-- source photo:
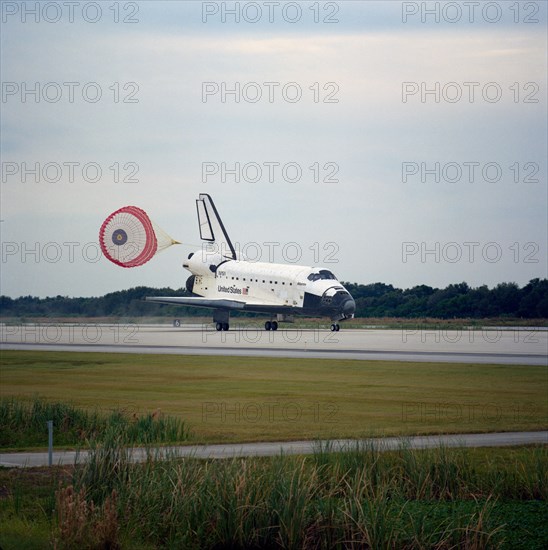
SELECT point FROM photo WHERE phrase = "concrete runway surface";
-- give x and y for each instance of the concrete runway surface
(494, 345)
(502, 439)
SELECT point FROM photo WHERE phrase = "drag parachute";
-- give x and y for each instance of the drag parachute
(129, 238)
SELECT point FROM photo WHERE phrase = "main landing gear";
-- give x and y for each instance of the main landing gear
(271, 325)
(221, 318)
(335, 327)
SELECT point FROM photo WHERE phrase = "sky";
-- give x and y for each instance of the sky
(394, 142)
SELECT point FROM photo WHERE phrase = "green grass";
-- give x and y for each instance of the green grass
(224, 399)
(361, 498)
(227, 399)
(438, 498)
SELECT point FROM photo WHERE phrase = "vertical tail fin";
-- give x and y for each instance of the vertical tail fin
(211, 226)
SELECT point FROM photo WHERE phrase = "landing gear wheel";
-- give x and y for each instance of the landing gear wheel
(219, 326)
(225, 326)
(337, 327)
(268, 325)
(274, 325)
(177, 323)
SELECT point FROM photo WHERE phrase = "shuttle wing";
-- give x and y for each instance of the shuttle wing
(196, 302)
(256, 306)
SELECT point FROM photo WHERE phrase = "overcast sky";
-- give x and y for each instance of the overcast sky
(427, 139)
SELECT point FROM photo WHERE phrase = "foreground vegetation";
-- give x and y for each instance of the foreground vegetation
(23, 424)
(372, 300)
(227, 399)
(361, 498)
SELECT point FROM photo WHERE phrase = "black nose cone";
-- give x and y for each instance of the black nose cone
(349, 306)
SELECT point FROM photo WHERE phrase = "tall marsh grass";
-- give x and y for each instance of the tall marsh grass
(363, 497)
(360, 498)
(23, 424)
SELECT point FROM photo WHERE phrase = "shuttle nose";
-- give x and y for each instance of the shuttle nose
(349, 306)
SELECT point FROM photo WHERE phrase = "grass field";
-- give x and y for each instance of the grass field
(229, 399)
(362, 498)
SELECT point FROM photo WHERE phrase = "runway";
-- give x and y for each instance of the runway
(503, 439)
(527, 346)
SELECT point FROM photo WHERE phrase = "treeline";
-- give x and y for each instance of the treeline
(456, 300)
(373, 300)
(123, 303)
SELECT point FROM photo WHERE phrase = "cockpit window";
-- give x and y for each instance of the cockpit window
(323, 274)
(327, 274)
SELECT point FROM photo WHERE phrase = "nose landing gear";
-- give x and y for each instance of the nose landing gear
(271, 325)
(335, 327)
